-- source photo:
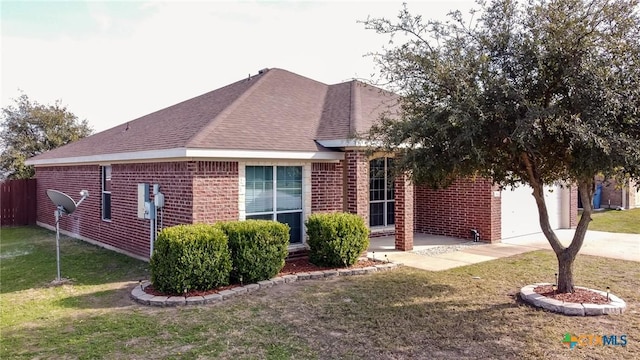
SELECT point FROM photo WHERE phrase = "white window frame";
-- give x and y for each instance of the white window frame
(384, 201)
(306, 193)
(103, 180)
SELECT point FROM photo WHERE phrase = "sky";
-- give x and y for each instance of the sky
(113, 61)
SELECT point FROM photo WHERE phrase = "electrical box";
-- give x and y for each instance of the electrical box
(158, 200)
(150, 210)
(143, 199)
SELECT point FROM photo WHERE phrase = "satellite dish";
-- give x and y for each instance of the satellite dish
(62, 200)
(64, 205)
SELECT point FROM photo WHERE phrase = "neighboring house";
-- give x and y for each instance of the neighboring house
(618, 196)
(219, 156)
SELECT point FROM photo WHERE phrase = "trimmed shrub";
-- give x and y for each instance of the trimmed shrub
(336, 239)
(258, 248)
(190, 257)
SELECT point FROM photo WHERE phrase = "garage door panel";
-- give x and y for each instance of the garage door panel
(520, 213)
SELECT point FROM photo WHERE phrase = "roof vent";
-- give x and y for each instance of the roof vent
(262, 71)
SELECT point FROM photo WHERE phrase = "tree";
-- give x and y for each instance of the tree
(29, 128)
(540, 92)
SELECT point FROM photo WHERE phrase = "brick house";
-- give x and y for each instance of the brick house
(616, 195)
(219, 156)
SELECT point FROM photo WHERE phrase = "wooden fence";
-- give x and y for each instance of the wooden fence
(18, 202)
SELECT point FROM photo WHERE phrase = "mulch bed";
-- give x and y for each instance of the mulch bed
(291, 267)
(578, 296)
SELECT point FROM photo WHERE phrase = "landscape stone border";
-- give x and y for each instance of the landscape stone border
(616, 306)
(141, 297)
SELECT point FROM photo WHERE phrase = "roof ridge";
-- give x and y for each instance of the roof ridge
(213, 123)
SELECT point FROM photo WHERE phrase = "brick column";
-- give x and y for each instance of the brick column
(403, 213)
(495, 229)
(357, 184)
(573, 207)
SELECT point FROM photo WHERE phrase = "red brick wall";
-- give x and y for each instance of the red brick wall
(573, 207)
(454, 211)
(611, 196)
(125, 231)
(326, 187)
(357, 184)
(403, 211)
(86, 220)
(215, 190)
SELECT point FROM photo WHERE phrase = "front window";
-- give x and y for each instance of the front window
(106, 192)
(381, 193)
(285, 206)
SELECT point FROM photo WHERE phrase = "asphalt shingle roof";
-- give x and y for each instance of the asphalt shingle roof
(274, 110)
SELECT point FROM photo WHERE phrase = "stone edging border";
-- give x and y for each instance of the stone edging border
(617, 305)
(138, 295)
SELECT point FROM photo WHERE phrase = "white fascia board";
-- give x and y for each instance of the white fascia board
(345, 143)
(265, 154)
(354, 143)
(117, 157)
(183, 154)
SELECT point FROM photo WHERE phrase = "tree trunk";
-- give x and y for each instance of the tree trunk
(565, 272)
(565, 255)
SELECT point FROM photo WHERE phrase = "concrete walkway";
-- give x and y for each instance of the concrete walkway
(611, 245)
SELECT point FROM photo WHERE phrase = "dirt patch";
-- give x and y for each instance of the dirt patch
(303, 265)
(579, 296)
(290, 268)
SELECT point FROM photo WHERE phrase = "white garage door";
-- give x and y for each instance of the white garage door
(520, 213)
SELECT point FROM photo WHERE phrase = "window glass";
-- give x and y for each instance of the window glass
(391, 212)
(381, 192)
(106, 211)
(260, 217)
(106, 192)
(376, 214)
(289, 192)
(259, 199)
(259, 189)
(294, 220)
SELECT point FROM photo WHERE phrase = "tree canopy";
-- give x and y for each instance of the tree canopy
(30, 128)
(537, 92)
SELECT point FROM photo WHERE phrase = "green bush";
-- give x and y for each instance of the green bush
(336, 239)
(190, 257)
(258, 249)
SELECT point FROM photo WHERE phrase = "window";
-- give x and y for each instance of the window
(381, 193)
(106, 192)
(285, 205)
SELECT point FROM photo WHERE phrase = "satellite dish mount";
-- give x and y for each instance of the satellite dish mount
(64, 205)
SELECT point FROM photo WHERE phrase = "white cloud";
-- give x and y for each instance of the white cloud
(134, 66)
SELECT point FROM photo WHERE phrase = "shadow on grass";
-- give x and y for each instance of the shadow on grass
(34, 265)
(385, 316)
(153, 333)
(103, 299)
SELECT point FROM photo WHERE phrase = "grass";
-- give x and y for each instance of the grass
(627, 221)
(403, 314)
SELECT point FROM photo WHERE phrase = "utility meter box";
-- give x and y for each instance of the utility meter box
(150, 210)
(158, 200)
(143, 199)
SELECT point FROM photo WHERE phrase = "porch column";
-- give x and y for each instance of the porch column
(573, 207)
(403, 213)
(357, 184)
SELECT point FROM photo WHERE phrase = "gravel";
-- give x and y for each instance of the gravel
(443, 249)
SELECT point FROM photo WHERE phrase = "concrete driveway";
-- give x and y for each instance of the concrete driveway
(597, 243)
(446, 252)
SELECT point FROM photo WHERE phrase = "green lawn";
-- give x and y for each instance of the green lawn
(625, 221)
(401, 314)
